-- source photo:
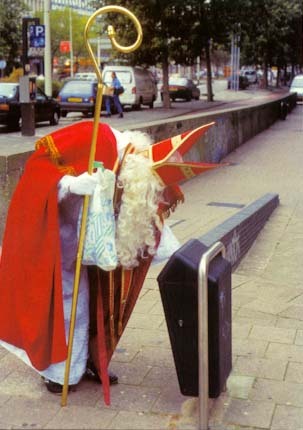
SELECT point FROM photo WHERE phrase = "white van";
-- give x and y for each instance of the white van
(139, 85)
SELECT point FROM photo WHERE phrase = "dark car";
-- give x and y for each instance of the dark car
(243, 83)
(79, 95)
(182, 88)
(46, 108)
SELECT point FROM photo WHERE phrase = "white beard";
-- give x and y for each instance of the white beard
(142, 192)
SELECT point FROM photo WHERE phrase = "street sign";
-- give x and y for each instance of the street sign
(35, 52)
(2, 64)
(37, 36)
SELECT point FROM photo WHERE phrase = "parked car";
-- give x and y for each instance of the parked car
(251, 76)
(182, 88)
(46, 108)
(297, 87)
(243, 82)
(140, 87)
(78, 95)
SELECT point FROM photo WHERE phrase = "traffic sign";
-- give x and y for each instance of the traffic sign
(37, 36)
(2, 64)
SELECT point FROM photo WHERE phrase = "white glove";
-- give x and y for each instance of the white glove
(83, 184)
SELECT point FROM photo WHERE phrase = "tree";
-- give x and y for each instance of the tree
(167, 34)
(179, 31)
(61, 22)
(271, 33)
(11, 13)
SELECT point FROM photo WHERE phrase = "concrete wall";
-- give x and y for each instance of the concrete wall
(233, 127)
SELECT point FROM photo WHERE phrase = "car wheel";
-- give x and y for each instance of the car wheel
(137, 106)
(15, 125)
(55, 118)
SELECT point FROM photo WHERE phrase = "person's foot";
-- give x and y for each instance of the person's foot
(92, 374)
(56, 388)
(121, 115)
(108, 115)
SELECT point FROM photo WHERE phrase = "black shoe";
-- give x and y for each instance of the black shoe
(121, 115)
(56, 388)
(92, 374)
(108, 115)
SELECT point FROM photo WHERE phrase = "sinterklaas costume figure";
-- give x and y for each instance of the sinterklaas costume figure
(40, 245)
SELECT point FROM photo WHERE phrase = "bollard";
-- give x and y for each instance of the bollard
(28, 93)
(28, 119)
(199, 319)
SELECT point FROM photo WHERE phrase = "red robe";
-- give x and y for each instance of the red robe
(31, 307)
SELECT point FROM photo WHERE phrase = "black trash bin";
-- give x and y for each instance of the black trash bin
(178, 283)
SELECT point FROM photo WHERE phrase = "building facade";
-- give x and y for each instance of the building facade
(81, 6)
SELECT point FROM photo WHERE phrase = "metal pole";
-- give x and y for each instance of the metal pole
(71, 43)
(47, 50)
(209, 255)
(236, 63)
(232, 71)
(238, 56)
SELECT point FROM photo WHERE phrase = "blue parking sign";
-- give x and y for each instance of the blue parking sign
(37, 36)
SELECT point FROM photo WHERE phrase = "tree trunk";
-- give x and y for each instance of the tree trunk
(166, 98)
(278, 77)
(210, 96)
(265, 74)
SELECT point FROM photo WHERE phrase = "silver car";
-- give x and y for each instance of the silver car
(297, 87)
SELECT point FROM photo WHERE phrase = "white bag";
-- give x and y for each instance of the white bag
(167, 246)
(99, 244)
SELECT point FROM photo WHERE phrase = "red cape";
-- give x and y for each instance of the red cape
(31, 307)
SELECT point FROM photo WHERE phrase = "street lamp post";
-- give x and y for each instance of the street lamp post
(47, 50)
(71, 43)
(235, 59)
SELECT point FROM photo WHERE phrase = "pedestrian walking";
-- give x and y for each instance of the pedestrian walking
(116, 88)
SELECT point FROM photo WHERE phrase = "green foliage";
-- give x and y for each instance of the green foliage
(11, 13)
(61, 22)
(56, 86)
(272, 32)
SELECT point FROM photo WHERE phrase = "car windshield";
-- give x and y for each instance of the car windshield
(124, 77)
(297, 82)
(8, 90)
(77, 87)
(178, 81)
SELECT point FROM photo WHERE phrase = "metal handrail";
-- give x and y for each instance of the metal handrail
(206, 258)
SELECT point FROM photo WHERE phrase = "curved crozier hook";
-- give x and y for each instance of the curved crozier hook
(111, 33)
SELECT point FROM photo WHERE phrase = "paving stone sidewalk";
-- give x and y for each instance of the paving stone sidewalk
(265, 388)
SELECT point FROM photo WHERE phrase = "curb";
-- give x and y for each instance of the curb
(239, 231)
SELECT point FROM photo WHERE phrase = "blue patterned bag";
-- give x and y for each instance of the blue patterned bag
(99, 245)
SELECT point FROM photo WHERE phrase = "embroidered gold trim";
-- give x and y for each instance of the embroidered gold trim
(177, 141)
(47, 142)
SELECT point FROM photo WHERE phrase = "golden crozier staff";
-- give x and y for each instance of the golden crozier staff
(111, 34)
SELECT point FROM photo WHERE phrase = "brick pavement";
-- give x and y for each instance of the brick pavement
(265, 388)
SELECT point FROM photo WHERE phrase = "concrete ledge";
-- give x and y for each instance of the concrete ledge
(239, 231)
(233, 127)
